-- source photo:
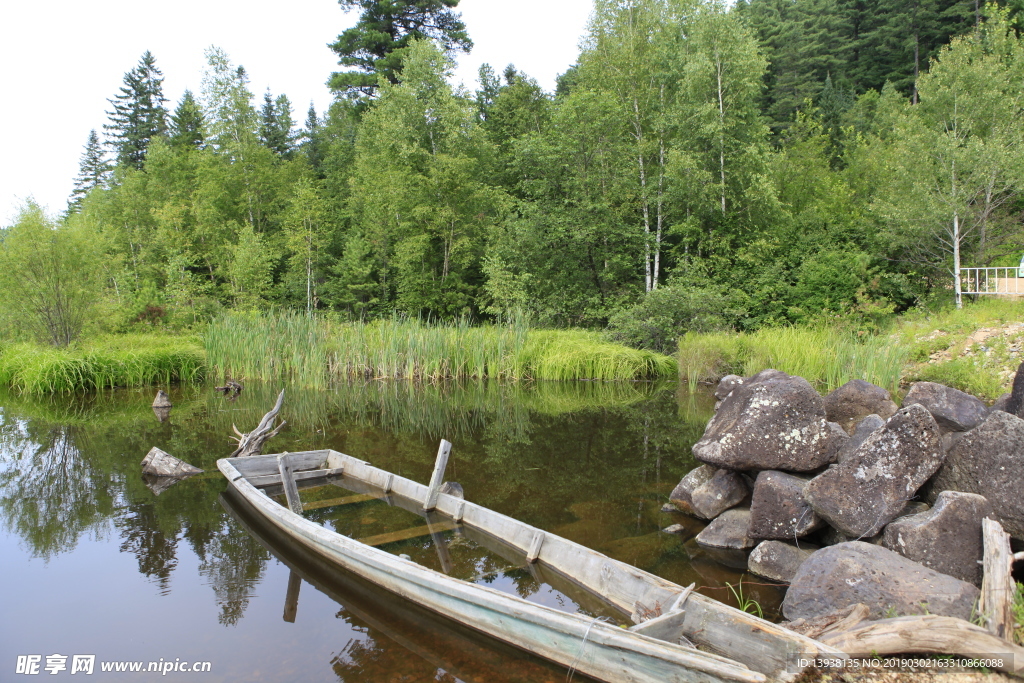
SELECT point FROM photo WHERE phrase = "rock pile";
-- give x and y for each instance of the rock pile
(786, 471)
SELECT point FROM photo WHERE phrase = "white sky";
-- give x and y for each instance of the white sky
(61, 60)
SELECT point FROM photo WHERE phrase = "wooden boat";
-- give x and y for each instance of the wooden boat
(734, 645)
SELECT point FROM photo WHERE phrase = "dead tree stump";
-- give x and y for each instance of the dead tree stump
(252, 443)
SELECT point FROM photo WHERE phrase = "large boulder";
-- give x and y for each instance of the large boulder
(863, 494)
(729, 530)
(778, 509)
(726, 489)
(770, 422)
(946, 538)
(682, 494)
(989, 461)
(861, 432)
(778, 561)
(954, 410)
(848, 573)
(854, 401)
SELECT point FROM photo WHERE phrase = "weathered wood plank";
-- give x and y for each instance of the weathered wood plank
(927, 634)
(291, 598)
(405, 534)
(535, 545)
(437, 478)
(338, 502)
(291, 491)
(262, 465)
(997, 586)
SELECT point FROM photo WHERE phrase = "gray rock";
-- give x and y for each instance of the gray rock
(854, 401)
(161, 464)
(726, 489)
(830, 536)
(989, 461)
(772, 423)
(729, 530)
(954, 410)
(1015, 404)
(1002, 403)
(886, 582)
(778, 509)
(946, 538)
(453, 488)
(862, 495)
(669, 507)
(674, 529)
(162, 400)
(726, 385)
(682, 494)
(862, 431)
(778, 561)
(765, 375)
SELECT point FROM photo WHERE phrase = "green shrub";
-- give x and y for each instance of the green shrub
(665, 314)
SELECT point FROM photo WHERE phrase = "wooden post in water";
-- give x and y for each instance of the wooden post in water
(437, 478)
(997, 588)
(291, 491)
(291, 600)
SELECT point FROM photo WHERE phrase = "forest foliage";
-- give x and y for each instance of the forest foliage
(702, 167)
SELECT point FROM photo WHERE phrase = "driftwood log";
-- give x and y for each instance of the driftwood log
(252, 443)
(927, 634)
(230, 389)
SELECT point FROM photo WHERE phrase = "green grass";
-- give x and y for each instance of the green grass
(317, 351)
(823, 356)
(115, 361)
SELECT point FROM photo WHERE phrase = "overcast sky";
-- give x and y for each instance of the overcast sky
(62, 60)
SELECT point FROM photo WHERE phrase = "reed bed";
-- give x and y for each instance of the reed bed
(823, 356)
(314, 351)
(123, 361)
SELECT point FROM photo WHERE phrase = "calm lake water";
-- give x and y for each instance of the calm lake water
(94, 562)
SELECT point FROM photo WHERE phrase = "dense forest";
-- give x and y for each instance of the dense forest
(700, 167)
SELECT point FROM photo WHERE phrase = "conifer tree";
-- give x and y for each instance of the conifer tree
(384, 28)
(93, 171)
(187, 124)
(138, 112)
(311, 142)
(276, 124)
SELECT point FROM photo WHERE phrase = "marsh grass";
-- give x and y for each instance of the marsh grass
(314, 351)
(823, 356)
(107, 362)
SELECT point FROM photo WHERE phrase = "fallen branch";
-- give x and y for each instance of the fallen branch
(252, 443)
(928, 634)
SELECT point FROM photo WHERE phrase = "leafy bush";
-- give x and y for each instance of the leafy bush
(664, 315)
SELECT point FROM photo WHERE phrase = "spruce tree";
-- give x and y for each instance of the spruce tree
(139, 114)
(187, 124)
(311, 139)
(93, 171)
(276, 124)
(384, 28)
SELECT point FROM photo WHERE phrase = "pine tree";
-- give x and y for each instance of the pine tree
(384, 28)
(187, 124)
(139, 114)
(93, 171)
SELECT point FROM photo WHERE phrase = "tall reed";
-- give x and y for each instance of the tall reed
(314, 351)
(821, 355)
(123, 361)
